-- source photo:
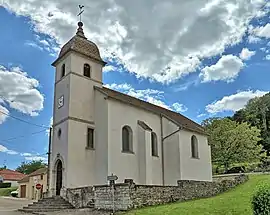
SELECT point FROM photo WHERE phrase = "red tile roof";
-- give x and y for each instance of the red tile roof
(11, 175)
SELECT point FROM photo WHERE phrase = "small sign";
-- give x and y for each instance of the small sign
(38, 186)
(112, 178)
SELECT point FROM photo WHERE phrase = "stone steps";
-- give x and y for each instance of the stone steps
(37, 206)
(47, 205)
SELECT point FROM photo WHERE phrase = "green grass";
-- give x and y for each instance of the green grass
(6, 191)
(234, 202)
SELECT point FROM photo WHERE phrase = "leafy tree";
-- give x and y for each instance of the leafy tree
(232, 142)
(3, 167)
(30, 167)
(257, 113)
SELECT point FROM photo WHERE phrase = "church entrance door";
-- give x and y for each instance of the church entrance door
(59, 173)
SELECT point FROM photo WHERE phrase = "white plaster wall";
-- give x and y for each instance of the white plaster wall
(171, 153)
(101, 139)
(125, 165)
(77, 64)
(62, 88)
(59, 145)
(195, 169)
(81, 98)
(79, 103)
(141, 154)
(81, 161)
(82, 103)
(67, 61)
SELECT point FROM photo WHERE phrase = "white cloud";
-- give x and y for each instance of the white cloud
(121, 87)
(262, 31)
(202, 115)
(253, 39)
(267, 57)
(226, 69)
(8, 151)
(3, 115)
(33, 44)
(164, 47)
(179, 107)
(26, 155)
(44, 42)
(233, 102)
(109, 68)
(50, 125)
(149, 95)
(246, 54)
(20, 91)
(36, 158)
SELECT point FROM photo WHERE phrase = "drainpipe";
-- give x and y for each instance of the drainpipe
(162, 147)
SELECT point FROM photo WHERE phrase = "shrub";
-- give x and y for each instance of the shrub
(261, 201)
(5, 185)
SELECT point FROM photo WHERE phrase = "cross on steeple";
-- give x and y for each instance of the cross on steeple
(80, 24)
(80, 12)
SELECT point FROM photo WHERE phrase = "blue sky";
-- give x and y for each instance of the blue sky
(200, 59)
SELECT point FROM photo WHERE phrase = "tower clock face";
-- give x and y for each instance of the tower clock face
(61, 102)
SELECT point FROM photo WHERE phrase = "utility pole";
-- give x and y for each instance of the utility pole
(49, 159)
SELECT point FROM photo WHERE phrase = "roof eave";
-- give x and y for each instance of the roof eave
(161, 114)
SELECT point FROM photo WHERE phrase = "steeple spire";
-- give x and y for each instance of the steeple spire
(80, 24)
(80, 30)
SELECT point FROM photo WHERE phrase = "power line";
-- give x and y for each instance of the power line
(22, 136)
(22, 120)
(17, 118)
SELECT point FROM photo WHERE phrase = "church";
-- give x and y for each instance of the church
(98, 132)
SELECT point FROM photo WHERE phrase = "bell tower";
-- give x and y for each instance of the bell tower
(78, 70)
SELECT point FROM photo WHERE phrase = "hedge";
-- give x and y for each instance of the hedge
(261, 201)
(5, 185)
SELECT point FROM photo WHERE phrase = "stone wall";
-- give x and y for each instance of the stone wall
(142, 195)
(104, 197)
(128, 196)
(82, 197)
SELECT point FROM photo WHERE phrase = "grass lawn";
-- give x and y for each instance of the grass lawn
(236, 202)
(6, 191)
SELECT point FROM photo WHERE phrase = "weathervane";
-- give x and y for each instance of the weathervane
(81, 11)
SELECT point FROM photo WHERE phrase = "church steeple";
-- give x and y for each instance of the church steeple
(80, 32)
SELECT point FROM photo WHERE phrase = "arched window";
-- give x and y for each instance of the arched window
(154, 144)
(127, 139)
(194, 147)
(63, 70)
(86, 70)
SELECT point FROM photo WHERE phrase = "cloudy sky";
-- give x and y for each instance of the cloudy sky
(201, 58)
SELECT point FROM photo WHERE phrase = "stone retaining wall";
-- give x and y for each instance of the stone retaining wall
(104, 197)
(82, 197)
(128, 196)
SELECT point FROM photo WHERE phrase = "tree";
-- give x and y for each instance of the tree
(257, 113)
(3, 167)
(27, 168)
(232, 142)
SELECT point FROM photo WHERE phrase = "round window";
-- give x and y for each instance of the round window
(59, 133)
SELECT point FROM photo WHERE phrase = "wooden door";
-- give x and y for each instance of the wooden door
(23, 191)
(59, 178)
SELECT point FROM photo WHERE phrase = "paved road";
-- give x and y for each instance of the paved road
(8, 205)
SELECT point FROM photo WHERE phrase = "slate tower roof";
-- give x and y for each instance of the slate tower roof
(81, 45)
